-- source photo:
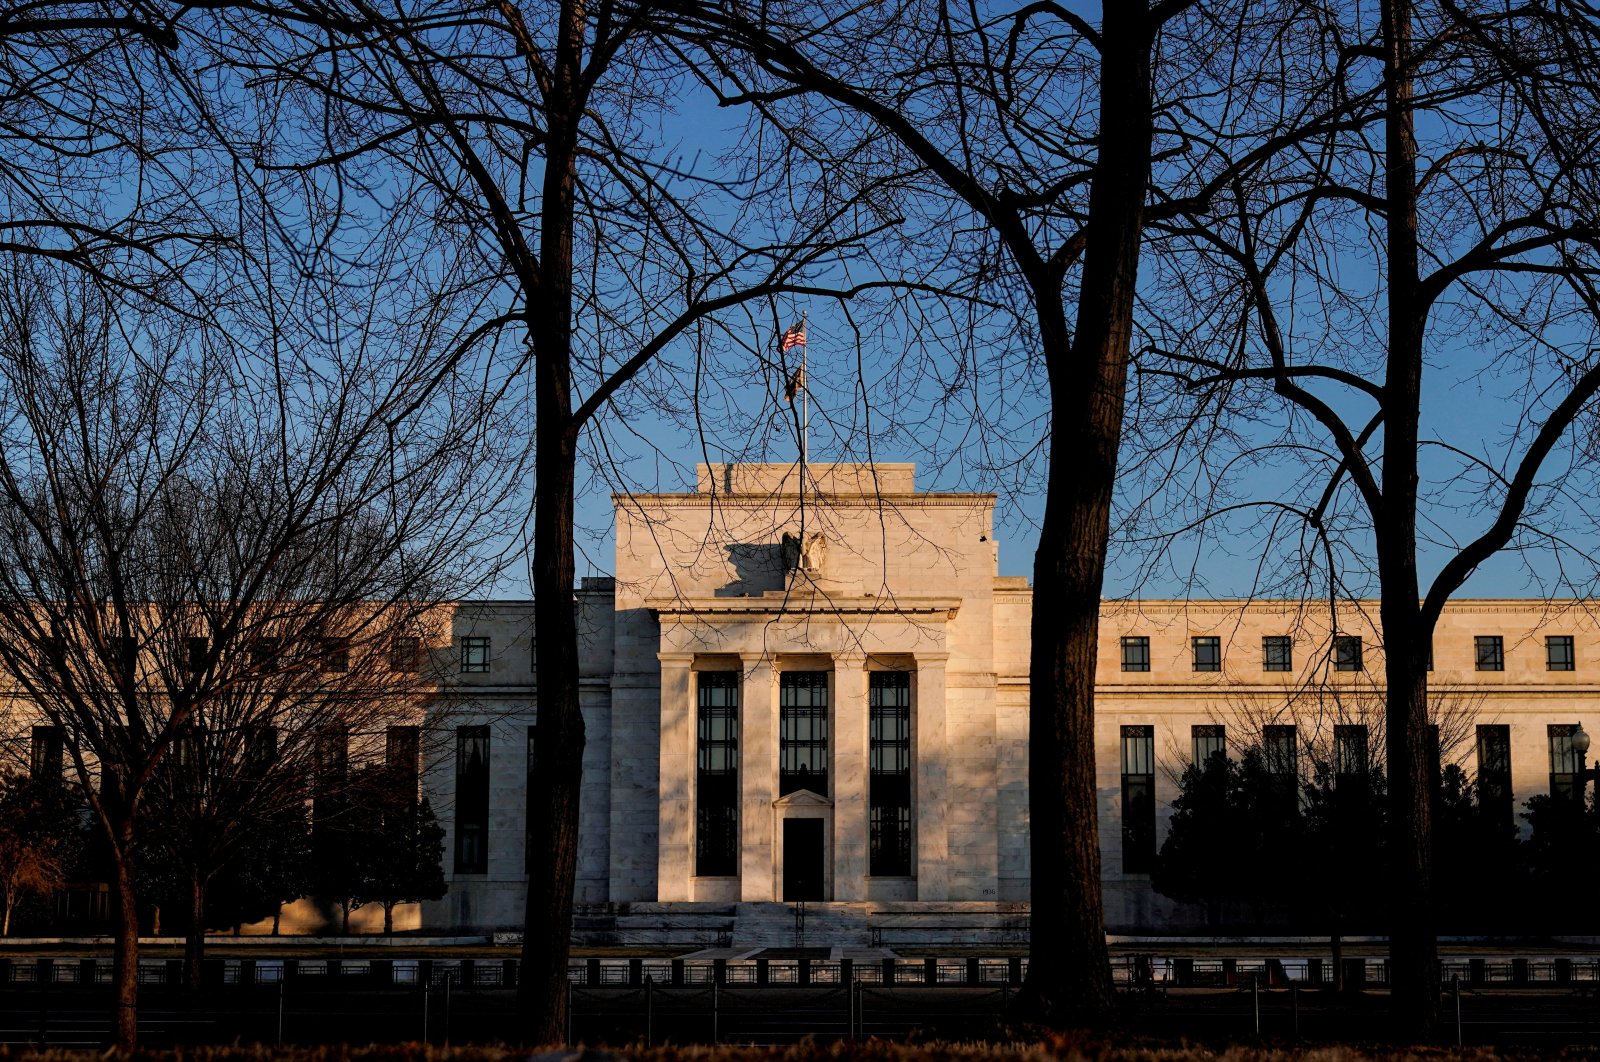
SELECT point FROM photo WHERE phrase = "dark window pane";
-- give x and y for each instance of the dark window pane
(195, 651)
(1490, 652)
(889, 773)
(474, 655)
(405, 653)
(717, 776)
(472, 799)
(47, 754)
(1349, 752)
(1347, 653)
(335, 655)
(1207, 653)
(1138, 799)
(1277, 653)
(1136, 653)
(1281, 750)
(1563, 762)
(803, 732)
(1208, 740)
(1494, 770)
(1558, 653)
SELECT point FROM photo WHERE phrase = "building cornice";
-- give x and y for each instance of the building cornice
(778, 604)
(824, 501)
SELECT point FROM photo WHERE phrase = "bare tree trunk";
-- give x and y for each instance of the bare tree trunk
(1336, 946)
(344, 918)
(559, 736)
(125, 953)
(1069, 970)
(1413, 948)
(277, 917)
(388, 919)
(5, 926)
(194, 943)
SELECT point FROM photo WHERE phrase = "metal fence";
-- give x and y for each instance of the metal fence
(1129, 971)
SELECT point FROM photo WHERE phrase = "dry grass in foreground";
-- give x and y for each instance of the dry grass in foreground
(1061, 1049)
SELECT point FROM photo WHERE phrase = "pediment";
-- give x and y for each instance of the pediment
(802, 798)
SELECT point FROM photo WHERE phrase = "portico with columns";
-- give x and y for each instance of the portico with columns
(746, 577)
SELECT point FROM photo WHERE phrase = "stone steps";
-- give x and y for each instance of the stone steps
(750, 926)
(653, 924)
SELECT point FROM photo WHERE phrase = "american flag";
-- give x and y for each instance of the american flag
(794, 337)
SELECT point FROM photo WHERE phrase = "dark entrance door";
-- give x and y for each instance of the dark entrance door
(802, 859)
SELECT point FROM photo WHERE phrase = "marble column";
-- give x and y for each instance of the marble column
(758, 778)
(932, 765)
(849, 773)
(675, 837)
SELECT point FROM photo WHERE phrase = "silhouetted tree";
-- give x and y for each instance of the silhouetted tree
(1563, 859)
(1233, 841)
(402, 850)
(40, 839)
(185, 516)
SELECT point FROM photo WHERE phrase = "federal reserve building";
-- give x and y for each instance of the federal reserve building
(816, 690)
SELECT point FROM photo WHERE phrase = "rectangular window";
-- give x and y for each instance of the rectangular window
(1489, 652)
(716, 835)
(1558, 653)
(1136, 653)
(402, 755)
(1280, 748)
(803, 732)
(1138, 799)
(1208, 740)
(1494, 770)
(332, 754)
(1347, 652)
(1564, 784)
(260, 749)
(1277, 653)
(331, 751)
(334, 655)
(472, 800)
(889, 767)
(47, 753)
(474, 655)
(195, 651)
(1349, 753)
(125, 657)
(1207, 652)
(264, 653)
(405, 653)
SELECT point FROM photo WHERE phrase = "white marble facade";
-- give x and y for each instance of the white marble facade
(860, 572)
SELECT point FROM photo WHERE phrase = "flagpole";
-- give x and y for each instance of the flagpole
(805, 427)
(805, 404)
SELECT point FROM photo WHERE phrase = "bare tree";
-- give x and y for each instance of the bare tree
(526, 145)
(1058, 143)
(1457, 247)
(247, 755)
(184, 520)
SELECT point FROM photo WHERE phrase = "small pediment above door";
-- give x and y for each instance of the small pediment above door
(802, 798)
